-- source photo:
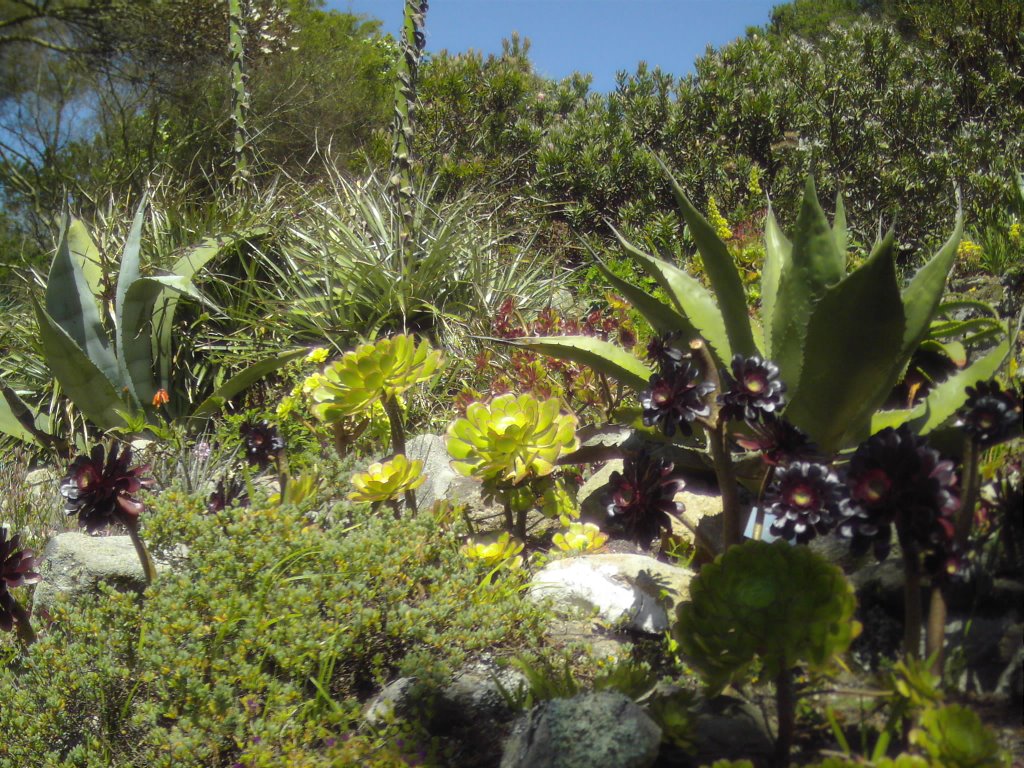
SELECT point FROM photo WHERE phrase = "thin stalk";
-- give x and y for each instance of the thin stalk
(965, 518)
(785, 705)
(759, 520)
(732, 532)
(394, 412)
(148, 566)
(23, 624)
(911, 608)
(935, 637)
(282, 472)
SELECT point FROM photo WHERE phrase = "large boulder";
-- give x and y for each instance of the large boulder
(592, 730)
(634, 591)
(74, 564)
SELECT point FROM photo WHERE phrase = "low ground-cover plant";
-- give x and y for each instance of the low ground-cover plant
(260, 648)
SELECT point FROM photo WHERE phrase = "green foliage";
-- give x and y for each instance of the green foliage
(259, 646)
(954, 736)
(778, 603)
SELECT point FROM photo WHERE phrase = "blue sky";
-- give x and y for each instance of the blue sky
(598, 37)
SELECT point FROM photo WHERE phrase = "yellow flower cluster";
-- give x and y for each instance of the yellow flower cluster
(718, 221)
(1016, 231)
(968, 250)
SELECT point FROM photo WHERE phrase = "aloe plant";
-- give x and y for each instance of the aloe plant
(109, 375)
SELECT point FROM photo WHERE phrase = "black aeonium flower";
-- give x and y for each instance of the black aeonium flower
(100, 488)
(262, 443)
(662, 350)
(804, 500)
(16, 566)
(896, 479)
(641, 497)
(990, 414)
(779, 441)
(675, 398)
(754, 388)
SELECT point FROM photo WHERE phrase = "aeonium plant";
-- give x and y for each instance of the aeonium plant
(16, 570)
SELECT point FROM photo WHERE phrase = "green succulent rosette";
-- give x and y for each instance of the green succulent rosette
(503, 550)
(511, 439)
(579, 538)
(954, 737)
(384, 481)
(386, 368)
(781, 603)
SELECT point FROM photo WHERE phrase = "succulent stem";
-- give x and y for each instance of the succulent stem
(394, 412)
(965, 517)
(148, 566)
(23, 622)
(732, 532)
(785, 704)
(911, 608)
(935, 637)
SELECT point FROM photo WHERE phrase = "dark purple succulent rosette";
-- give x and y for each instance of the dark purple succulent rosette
(16, 570)
(804, 501)
(100, 488)
(674, 399)
(663, 351)
(753, 389)
(641, 498)
(896, 479)
(262, 443)
(778, 441)
(227, 492)
(991, 414)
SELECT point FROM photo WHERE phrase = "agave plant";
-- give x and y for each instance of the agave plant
(781, 604)
(510, 443)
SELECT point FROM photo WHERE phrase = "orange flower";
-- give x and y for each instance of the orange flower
(161, 398)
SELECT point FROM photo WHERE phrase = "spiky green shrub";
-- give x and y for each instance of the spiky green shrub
(259, 647)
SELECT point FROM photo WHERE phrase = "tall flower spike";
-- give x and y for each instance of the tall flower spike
(641, 498)
(100, 488)
(990, 415)
(16, 570)
(753, 389)
(675, 398)
(804, 500)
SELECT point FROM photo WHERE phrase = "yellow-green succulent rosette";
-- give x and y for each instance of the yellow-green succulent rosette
(580, 537)
(502, 550)
(384, 481)
(383, 369)
(511, 439)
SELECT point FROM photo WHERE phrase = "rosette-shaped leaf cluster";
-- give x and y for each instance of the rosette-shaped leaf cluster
(16, 570)
(754, 388)
(228, 491)
(782, 604)
(503, 550)
(991, 414)
(580, 537)
(675, 398)
(384, 369)
(804, 500)
(778, 441)
(384, 481)
(954, 736)
(511, 439)
(262, 443)
(100, 488)
(641, 498)
(896, 479)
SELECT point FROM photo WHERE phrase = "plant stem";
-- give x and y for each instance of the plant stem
(785, 705)
(965, 517)
(759, 520)
(731, 530)
(23, 622)
(394, 412)
(911, 608)
(148, 566)
(935, 638)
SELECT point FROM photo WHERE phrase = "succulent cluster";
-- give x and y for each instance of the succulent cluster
(502, 551)
(384, 369)
(228, 491)
(100, 488)
(753, 389)
(16, 570)
(777, 440)
(990, 414)
(640, 499)
(262, 443)
(675, 395)
(804, 501)
(580, 537)
(385, 481)
(511, 439)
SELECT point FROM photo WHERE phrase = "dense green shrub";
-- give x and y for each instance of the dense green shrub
(259, 646)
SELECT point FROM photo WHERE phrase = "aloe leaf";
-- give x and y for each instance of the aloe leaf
(894, 418)
(126, 276)
(71, 305)
(777, 255)
(691, 299)
(89, 388)
(87, 255)
(923, 294)
(602, 356)
(815, 265)
(242, 381)
(137, 317)
(13, 411)
(946, 398)
(721, 272)
(662, 317)
(853, 334)
(839, 230)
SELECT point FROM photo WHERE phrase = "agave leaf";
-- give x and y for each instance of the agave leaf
(855, 331)
(894, 418)
(71, 305)
(89, 388)
(923, 294)
(13, 414)
(946, 398)
(662, 317)
(721, 271)
(126, 277)
(814, 266)
(137, 315)
(602, 356)
(242, 381)
(839, 231)
(690, 298)
(87, 255)
(777, 256)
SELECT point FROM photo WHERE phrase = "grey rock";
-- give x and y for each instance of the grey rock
(74, 565)
(479, 693)
(633, 590)
(397, 700)
(730, 728)
(593, 730)
(431, 450)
